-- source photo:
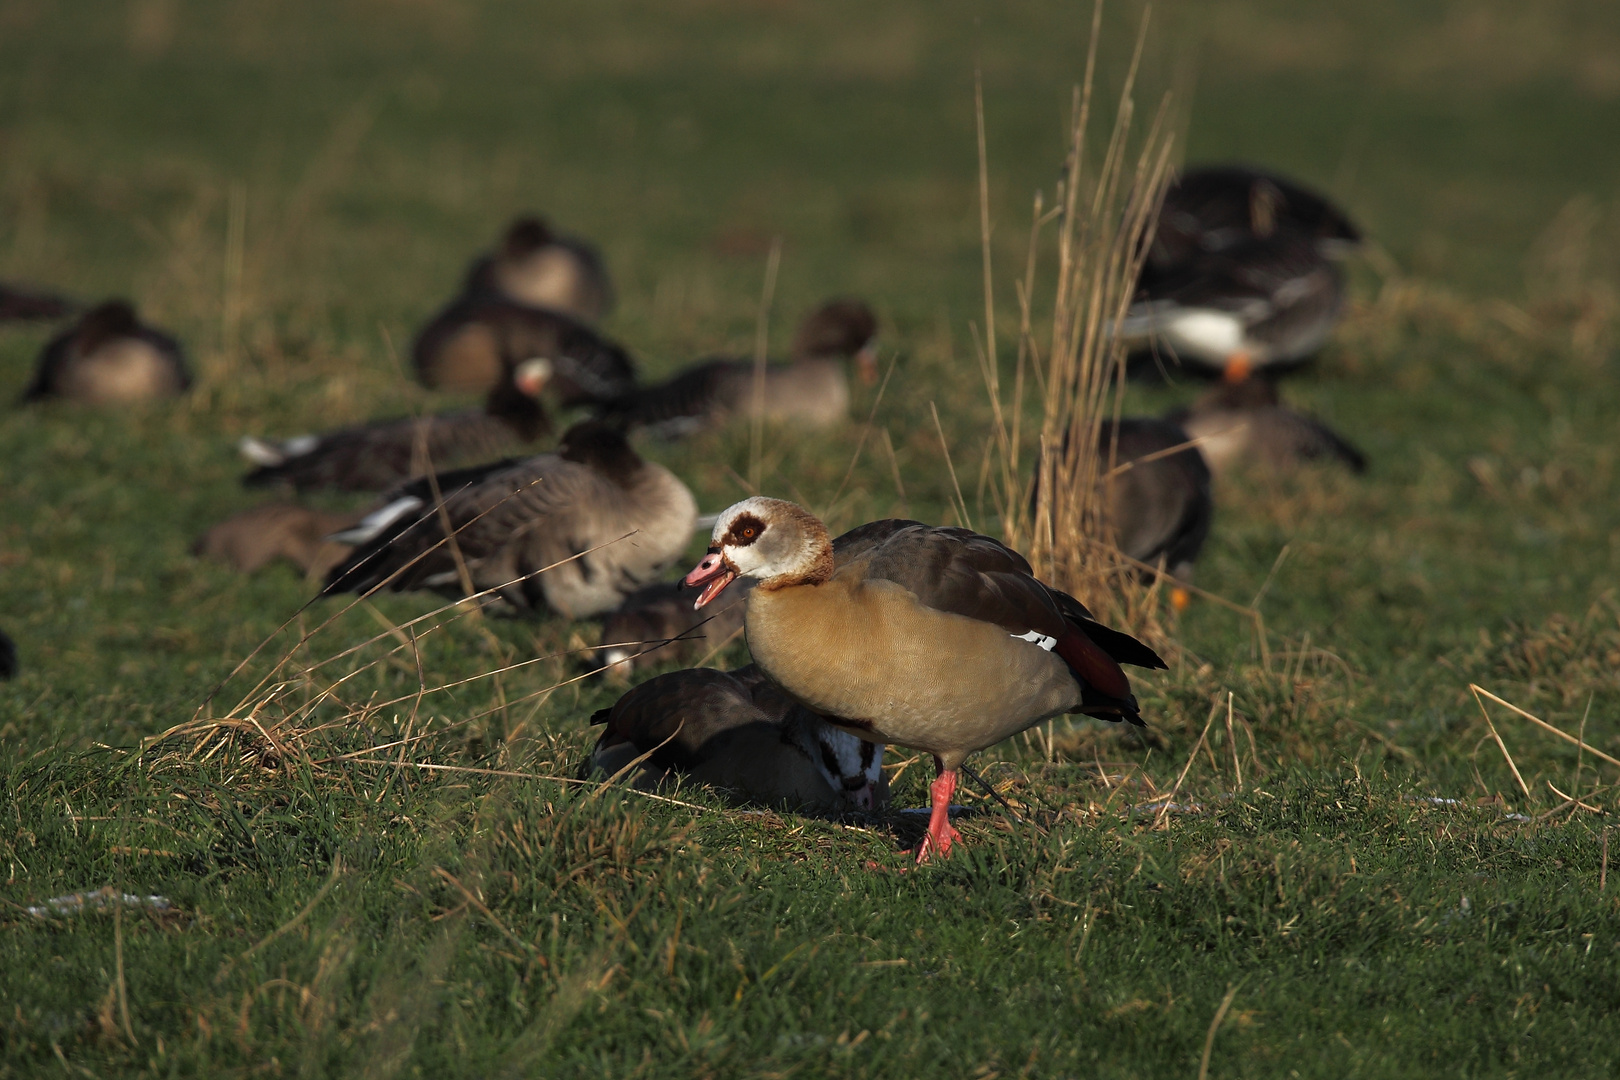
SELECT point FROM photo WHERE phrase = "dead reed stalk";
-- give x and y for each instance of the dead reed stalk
(1104, 211)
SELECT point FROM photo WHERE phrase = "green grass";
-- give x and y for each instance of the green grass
(375, 145)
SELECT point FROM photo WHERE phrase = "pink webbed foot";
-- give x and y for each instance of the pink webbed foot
(941, 834)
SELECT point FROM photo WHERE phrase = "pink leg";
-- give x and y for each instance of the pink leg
(940, 833)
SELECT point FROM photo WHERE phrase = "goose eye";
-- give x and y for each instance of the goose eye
(748, 532)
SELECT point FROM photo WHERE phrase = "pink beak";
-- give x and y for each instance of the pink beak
(714, 575)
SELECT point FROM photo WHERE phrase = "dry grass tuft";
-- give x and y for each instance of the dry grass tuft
(1102, 211)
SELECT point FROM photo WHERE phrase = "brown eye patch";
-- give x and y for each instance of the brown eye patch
(744, 531)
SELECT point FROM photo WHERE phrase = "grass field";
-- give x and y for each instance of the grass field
(1376, 895)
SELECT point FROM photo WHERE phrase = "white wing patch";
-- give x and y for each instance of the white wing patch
(1038, 638)
(378, 520)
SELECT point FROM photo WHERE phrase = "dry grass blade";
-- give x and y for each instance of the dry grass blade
(1499, 743)
(1170, 798)
(1214, 1026)
(1104, 214)
(1479, 691)
(473, 900)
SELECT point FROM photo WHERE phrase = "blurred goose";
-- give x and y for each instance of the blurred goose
(735, 731)
(664, 613)
(1158, 499)
(811, 389)
(1246, 424)
(8, 656)
(257, 537)
(1258, 303)
(938, 639)
(597, 519)
(109, 356)
(1212, 208)
(379, 455)
(538, 267)
(468, 345)
(18, 304)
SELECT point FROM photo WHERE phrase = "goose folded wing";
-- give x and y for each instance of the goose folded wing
(963, 573)
(488, 507)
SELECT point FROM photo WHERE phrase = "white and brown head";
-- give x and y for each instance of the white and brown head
(777, 543)
(852, 766)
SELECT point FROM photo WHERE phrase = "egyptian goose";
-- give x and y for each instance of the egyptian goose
(257, 537)
(1257, 304)
(1214, 207)
(110, 357)
(938, 639)
(634, 636)
(381, 454)
(735, 731)
(476, 338)
(594, 517)
(18, 304)
(8, 656)
(811, 389)
(1246, 424)
(538, 267)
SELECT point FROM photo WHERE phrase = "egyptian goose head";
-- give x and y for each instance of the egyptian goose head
(773, 541)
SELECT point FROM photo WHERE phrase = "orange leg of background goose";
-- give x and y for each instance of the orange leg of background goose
(941, 835)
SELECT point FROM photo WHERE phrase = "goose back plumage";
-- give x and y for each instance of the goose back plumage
(109, 356)
(736, 731)
(575, 531)
(538, 267)
(811, 389)
(470, 344)
(381, 454)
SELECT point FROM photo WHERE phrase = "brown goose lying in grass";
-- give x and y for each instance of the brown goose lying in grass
(664, 613)
(938, 639)
(594, 517)
(811, 389)
(538, 267)
(379, 455)
(1245, 425)
(110, 357)
(18, 304)
(468, 345)
(735, 731)
(1156, 494)
(257, 537)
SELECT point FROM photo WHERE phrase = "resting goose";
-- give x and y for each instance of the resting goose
(1259, 303)
(937, 639)
(812, 389)
(255, 538)
(1246, 424)
(110, 357)
(476, 338)
(664, 613)
(1211, 208)
(18, 304)
(1157, 494)
(514, 519)
(538, 267)
(379, 455)
(735, 731)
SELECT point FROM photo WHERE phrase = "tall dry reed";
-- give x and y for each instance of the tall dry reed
(1103, 211)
